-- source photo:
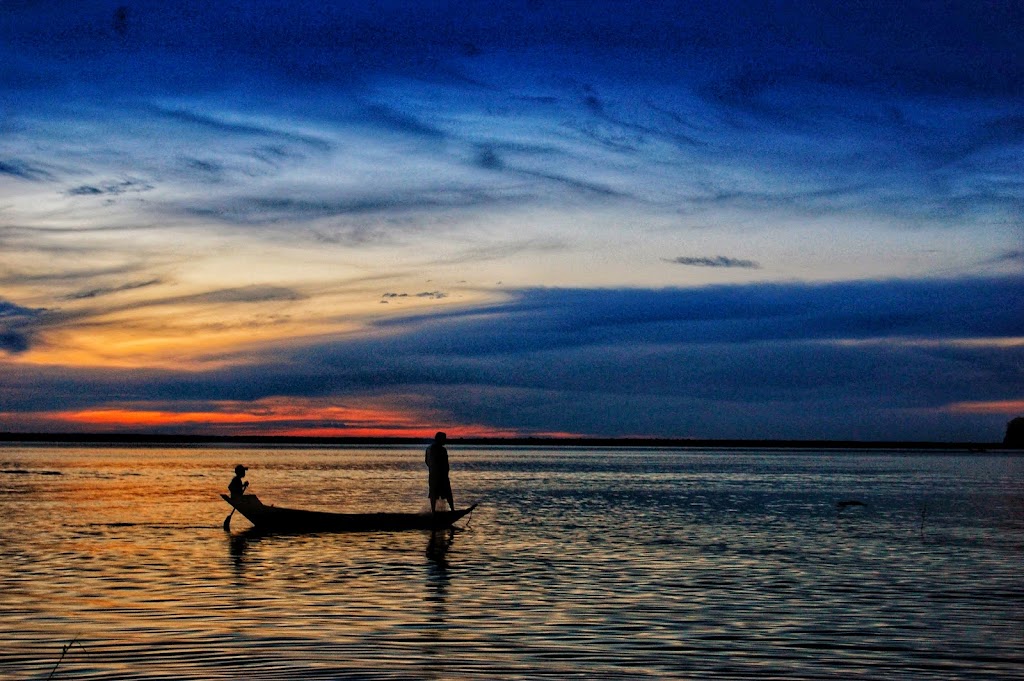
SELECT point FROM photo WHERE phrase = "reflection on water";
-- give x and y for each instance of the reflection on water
(437, 550)
(437, 572)
(238, 544)
(609, 564)
(436, 644)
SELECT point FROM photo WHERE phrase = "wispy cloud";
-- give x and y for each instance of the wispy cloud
(108, 290)
(257, 210)
(243, 128)
(1010, 256)
(244, 294)
(397, 121)
(23, 170)
(111, 187)
(715, 261)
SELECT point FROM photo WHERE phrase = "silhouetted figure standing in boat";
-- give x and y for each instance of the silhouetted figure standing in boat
(236, 487)
(436, 459)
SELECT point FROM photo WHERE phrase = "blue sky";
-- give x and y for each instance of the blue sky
(669, 219)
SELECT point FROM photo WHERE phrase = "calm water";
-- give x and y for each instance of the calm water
(578, 564)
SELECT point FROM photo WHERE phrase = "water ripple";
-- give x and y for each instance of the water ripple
(578, 565)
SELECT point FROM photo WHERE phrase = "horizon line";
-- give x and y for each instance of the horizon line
(623, 442)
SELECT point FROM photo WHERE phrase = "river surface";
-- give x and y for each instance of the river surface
(577, 564)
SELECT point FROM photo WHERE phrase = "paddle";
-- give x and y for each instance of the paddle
(227, 521)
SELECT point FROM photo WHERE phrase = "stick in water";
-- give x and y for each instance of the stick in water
(64, 651)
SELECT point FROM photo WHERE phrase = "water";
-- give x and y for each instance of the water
(577, 564)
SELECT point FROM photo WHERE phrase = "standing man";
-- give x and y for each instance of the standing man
(436, 459)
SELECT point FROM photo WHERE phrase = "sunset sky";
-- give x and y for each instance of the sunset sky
(669, 219)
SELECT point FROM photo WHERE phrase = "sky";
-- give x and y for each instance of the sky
(779, 220)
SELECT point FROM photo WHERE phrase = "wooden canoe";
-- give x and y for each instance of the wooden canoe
(278, 519)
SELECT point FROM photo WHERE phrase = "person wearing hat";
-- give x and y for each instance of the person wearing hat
(236, 486)
(436, 458)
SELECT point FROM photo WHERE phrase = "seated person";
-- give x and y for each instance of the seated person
(236, 487)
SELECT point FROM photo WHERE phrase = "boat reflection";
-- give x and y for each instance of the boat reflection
(438, 545)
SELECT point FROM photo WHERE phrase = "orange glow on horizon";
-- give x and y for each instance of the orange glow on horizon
(454, 432)
(1007, 407)
(265, 415)
(271, 417)
(126, 417)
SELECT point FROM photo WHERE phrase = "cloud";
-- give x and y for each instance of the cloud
(259, 210)
(874, 360)
(112, 187)
(817, 200)
(865, 359)
(84, 272)
(17, 326)
(716, 261)
(389, 118)
(551, 108)
(23, 170)
(108, 290)
(544, 318)
(1010, 256)
(505, 128)
(582, 186)
(20, 324)
(210, 169)
(433, 295)
(243, 294)
(244, 129)
(592, 360)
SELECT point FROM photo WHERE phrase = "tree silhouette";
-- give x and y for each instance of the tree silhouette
(1015, 432)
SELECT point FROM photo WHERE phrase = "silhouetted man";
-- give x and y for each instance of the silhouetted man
(236, 487)
(436, 459)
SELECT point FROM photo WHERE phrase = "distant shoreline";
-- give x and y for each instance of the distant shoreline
(100, 439)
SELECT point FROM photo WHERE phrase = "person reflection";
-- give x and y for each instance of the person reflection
(437, 573)
(437, 549)
(238, 545)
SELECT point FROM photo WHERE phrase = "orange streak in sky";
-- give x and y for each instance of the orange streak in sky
(124, 417)
(278, 417)
(1009, 407)
(265, 414)
(420, 431)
